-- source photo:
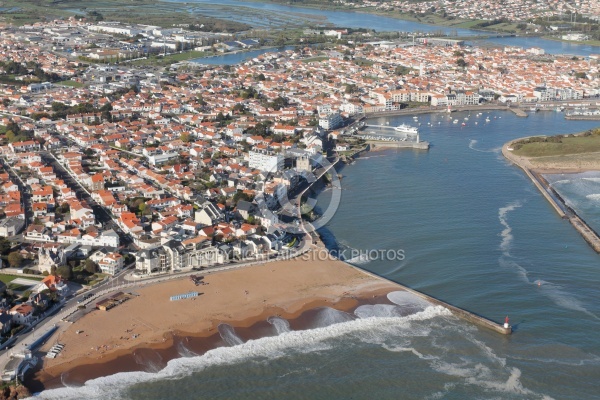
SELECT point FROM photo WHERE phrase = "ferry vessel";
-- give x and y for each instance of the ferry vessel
(406, 128)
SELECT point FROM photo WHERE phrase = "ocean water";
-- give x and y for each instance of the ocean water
(476, 233)
(581, 192)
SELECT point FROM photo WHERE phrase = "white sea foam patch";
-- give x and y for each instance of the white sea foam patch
(592, 179)
(593, 196)
(400, 349)
(554, 292)
(115, 386)
(561, 182)
(473, 143)
(506, 233)
(403, 298)
(478, 374)
(359, 260)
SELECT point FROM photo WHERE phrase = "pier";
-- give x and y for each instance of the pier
(555, 200)
(457, 311)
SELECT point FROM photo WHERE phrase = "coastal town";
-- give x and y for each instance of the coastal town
(515, 10)
(115, 169)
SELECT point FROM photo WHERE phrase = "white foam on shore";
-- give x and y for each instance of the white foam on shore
(281, 325)
(359, 260)
(271, 347)
(403, 298)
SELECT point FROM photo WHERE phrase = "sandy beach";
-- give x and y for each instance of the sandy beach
(240, 297)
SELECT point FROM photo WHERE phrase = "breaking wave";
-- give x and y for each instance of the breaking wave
(227, 333)
(281, 325)
(270, 347)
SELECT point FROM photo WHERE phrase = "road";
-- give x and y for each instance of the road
(102, 215)
(117, 284)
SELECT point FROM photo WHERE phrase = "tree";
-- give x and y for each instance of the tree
(402, 70)
(90, 266)
(5, 246)
(15, 259)
(142, 208)
(64, 271)
(462, 63)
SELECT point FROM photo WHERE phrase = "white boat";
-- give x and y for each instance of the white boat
(455, 121)
(487, 119)
(406, 128)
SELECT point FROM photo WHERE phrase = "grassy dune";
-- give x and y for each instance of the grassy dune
(567, 145)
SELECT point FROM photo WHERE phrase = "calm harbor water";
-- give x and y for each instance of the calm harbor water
(476, 233)
(236, 58)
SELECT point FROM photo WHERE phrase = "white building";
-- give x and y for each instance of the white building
(265, 161)
(330, 121)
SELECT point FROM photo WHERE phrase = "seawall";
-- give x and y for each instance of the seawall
(557, 202)
(521, 163)
(457, 311)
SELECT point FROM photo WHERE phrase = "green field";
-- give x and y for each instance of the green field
(70, 84)
(315, 59)
(568, 145)
(9, 278)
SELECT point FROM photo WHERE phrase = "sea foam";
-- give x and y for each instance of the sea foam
(271, 347)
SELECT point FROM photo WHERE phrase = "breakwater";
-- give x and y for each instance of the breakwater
(457, 311)
(555, 200)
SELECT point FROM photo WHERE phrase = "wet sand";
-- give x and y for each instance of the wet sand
(150, 326)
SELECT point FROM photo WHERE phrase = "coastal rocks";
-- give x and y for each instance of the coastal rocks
(13, 392)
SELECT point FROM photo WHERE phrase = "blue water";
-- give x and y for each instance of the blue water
(581, 192)
(280, 16)
(236, 58)
(476, 233)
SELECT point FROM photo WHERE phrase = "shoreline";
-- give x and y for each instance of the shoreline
(553, 197)
(329, 283)
(197, 344)
(341, 286)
